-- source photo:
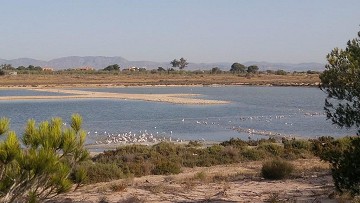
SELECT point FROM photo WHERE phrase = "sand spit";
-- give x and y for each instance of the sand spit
(78, 94)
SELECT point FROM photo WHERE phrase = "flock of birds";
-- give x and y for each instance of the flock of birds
(133, 137)
(145, 137)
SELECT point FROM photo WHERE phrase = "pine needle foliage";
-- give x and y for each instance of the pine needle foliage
(39, 166)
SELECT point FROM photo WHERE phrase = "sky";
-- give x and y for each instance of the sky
(201, 31)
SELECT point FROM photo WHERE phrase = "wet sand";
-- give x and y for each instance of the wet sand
(78, 94)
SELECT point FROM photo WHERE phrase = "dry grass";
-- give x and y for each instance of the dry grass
(94, 80)
(226, 183)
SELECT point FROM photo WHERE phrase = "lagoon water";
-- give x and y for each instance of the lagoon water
(284, 111)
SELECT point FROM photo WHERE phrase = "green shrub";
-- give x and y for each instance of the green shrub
(276, 169)
(201, 176)
(295, 149)
(101, 172)
(194, 144)
(297, 144)
(138, 167)
(260, 141)
(231, 154)
(238, 143)
(327, 148)
(346, 168)
(280, 72)
(272, 149)
(252, 154)
(166, 167)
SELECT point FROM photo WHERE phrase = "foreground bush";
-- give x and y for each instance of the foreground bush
(345, 165)
(39, 168)
(276, 169)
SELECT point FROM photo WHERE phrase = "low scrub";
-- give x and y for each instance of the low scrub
(271, 149)
(101, 172)
(166, 167)
(276, 169)
(343, 155)
(168, 158)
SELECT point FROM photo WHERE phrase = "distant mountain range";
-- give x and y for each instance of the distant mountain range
(100, 62)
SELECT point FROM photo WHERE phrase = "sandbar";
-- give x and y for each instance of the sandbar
(79, 94)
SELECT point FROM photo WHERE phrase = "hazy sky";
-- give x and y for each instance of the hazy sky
(292, 31)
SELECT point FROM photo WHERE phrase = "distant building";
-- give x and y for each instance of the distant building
(12, 73)
(48, 69)
(131, 69)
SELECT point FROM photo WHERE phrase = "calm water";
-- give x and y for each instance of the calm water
(286, 111)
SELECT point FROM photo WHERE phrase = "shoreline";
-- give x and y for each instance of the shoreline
(100, 85)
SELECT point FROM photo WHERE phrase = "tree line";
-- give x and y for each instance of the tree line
(181, 64)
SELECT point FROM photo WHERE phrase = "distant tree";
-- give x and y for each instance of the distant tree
(182, 63)
(280, 72)
(237, 68)
(175, 63)
(161, 69)
(37, 68)
(21, 68)
(179, 63)
(6, 67)
(114, 67)
(33, 68)
(312, 72)
(2, 72)
(215, 70)
(253, 69)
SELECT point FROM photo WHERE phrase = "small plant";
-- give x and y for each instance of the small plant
(118, 187)
(274, 198)
(201, 176)
(132, 199)
(155, 189)
(276, 169)
(103, 199)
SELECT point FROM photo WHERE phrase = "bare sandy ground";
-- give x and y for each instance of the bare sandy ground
(232, 183)
(78, 94)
